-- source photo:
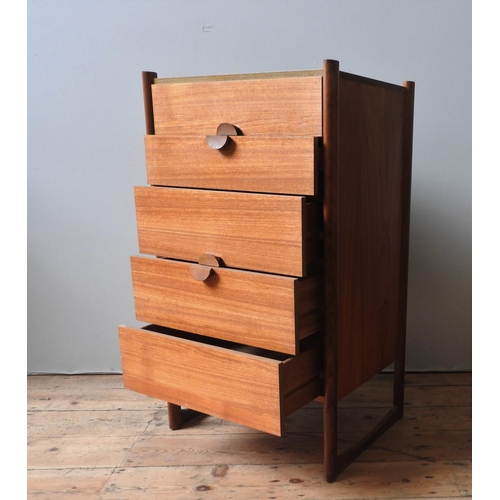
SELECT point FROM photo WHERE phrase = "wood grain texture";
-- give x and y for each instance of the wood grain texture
(365, 130)
(371, 258)
(89, 422)
(267, 311)
(371, 130)
(394, 480)
(234, 385)
(284, 165)
(356, 421)
(64, 399)
(309, 306)
(276, 106)
(247, 230)
(78, 451)
(73, 484)
(365, 196)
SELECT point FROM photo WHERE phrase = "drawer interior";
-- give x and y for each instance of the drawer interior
(219, 343)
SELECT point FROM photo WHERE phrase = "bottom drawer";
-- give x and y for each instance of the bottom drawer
(249, 386)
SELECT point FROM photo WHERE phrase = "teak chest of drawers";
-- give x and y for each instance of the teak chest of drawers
(276, 228)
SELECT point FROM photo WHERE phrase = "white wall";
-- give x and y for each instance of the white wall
(85, 147)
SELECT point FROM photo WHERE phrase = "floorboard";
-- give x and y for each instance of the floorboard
(88, 438)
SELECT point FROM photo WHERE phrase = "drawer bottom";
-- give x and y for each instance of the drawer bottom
(249, 386)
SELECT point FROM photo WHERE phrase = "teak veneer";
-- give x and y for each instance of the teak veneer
(259, 389)
(268, 106)
(262, 310)
(270, 233)
(278, 218)
(287, 165)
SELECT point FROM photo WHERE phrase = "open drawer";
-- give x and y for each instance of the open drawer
(256, 309)
(277, 234)
(249, 386)
(285, 165)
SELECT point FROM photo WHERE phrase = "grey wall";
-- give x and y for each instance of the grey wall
(85, 147)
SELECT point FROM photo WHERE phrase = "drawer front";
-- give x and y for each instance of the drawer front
(276, 106)
(271, 233)
(260, 164)
(250, 389)
(256, 309)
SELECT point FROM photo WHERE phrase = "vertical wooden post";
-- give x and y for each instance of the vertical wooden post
(330, 214)
(174, 416)
(147, 80)
(399, 365)
(174, 411)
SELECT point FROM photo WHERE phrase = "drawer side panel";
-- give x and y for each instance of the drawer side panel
(309, 305)
(371, 131)
(300, 379)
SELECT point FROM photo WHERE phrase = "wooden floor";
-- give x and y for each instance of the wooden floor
(88, 438)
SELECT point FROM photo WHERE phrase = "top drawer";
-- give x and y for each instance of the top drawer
(269, 106)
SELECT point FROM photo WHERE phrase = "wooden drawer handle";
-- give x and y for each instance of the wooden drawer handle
(209, 259)
(200, 273)
(203, 270)
(224, 131)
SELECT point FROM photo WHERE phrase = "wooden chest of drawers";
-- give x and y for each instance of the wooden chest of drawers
(275, 233)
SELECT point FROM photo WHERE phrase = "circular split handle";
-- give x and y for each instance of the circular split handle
(224, 131)
(200, 273)
(204, 269)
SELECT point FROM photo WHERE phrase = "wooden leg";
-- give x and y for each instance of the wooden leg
(399, 385)
(334, 464)
(399, 365)
(174, 416)
(330, 429)
(177, 417)
(330, 212)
